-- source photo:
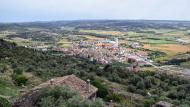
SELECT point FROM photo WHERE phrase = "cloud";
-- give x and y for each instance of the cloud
(31, 10)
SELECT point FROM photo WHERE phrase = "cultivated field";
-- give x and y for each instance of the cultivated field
(168, 48)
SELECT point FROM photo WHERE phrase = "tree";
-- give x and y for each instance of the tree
(115, 77)
(98, 103)
(48, 101)
(18, 70)
(75, 102)
(102, 89)
(131, 88)
(115, 97)
(172, 94)
(3, 68)
(21, 80)
(141, 92)
(135, 79)
(181, 95)
(147, 82)
(149, 102)
(65, 97)
(140, 85)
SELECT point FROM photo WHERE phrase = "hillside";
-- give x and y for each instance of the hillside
(23, 68)
(24, 64)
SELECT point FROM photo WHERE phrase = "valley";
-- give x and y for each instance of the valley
(132, 63)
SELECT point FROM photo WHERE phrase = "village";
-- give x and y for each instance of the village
(105, 51)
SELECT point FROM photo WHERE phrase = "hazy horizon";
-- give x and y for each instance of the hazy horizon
(58, 10)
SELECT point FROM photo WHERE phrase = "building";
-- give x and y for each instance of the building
(84, 88)
(108, 43)
(135, 45)
(116, 44)
(182, 41)
(137, 59)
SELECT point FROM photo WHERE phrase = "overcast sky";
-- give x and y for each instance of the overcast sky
(49, 10)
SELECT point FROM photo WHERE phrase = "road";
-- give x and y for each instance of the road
(172, 69)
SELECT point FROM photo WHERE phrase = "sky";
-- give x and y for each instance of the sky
(52, 10)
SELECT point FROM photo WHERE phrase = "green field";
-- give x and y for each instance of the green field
(7, 90)
(64, 43)
(151, 41)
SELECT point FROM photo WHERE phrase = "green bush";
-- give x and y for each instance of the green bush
(48, 101)
(140, 85)
(102, 89)
(141, 92)
(115, 97)
(148, 82)
(4, 102)
(21, 80)
(65, 97)
(149, 102)
(3, 68)
(172, 94)
(19, 70)
(131, 88)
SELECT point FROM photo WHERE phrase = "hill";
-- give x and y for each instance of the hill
(22, 68)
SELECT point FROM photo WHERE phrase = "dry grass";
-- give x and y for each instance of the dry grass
(168, 48)
(89, 37)
(21, 41)
(3, 34)
(175, 33)
(64, 42)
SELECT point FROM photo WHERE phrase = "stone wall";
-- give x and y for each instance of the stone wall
(28, 100)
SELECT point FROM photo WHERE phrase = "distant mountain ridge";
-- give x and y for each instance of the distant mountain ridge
(95, 24)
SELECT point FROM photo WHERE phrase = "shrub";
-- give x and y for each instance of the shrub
(172, 94)
(131, 88)
(3, 68)
(21, 80)
(115, 97)
(64, 97)
(135, 79)
(56, 92)
(18, 70)
(114, 77)
(47, 102)
(149, 102)
(141, 92)
(102, 89)
(148, 82)
(140, 85)
(181, 94)
(4, 102)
